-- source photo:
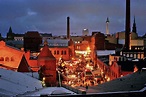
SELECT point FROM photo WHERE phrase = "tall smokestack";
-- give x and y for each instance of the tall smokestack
(127, 25)
(107, 29)
(68, 28)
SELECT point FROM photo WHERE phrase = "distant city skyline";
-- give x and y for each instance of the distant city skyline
(49, 16)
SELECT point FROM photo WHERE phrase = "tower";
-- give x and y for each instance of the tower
(85, 32)
(47, 63)
(32, 41)
(10, 34)
(68, 27)
(127, 25)
(134, 26)
(107, 29)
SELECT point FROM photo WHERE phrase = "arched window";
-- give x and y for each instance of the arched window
(61, 52)
(64, 52)
(1, 59)
(54, 52)
(57, 52)
(7, 59)
(12, 59)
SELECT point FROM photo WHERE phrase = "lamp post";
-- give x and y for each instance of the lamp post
(67, 75)
(78, 77)
(59, 78)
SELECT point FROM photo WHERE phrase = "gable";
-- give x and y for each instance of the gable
(23, 66)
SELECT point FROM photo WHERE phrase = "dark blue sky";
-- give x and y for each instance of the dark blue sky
(50, 15)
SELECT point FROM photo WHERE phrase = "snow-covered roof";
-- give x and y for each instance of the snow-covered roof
(131, 82)
(14, 83)
(51, 91)
(57, 42)
(104, 52)
(15, 42)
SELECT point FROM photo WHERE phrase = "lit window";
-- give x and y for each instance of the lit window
(127, 55)
(131, 55)
(135, 56)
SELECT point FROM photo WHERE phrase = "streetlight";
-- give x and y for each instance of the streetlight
(67, 72)
(78, 77)
(43, 82)
(59, 78)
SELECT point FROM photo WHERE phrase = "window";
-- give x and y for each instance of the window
(1, 59)
(131, 55)
(7, 59)
(78, 47)
(12, 59)
(61, 52)
(135, 56)
(54, 52)
(127, 55)
(64, 52)
(57, 52)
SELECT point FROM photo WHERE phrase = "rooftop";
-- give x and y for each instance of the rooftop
(131, 82)
(104, 52)
(32, 34)
(14, 83)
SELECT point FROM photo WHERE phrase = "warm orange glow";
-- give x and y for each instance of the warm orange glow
(11, 56)
(135, 69)
(88, 48)
(72, 58)
(44, 78)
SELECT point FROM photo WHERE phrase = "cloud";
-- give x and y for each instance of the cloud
(50, 15)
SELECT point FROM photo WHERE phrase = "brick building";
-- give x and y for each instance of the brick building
(32, 41)
(47, 63)
(13, 59)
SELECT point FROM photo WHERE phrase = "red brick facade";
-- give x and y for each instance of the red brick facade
(12, 58)
(47, 63)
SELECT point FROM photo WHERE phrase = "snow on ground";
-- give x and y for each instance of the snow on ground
(14, 83)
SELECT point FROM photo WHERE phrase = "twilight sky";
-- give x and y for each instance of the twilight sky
(50, 16)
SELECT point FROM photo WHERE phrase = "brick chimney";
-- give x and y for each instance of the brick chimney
(68, 28)
(127, 25)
